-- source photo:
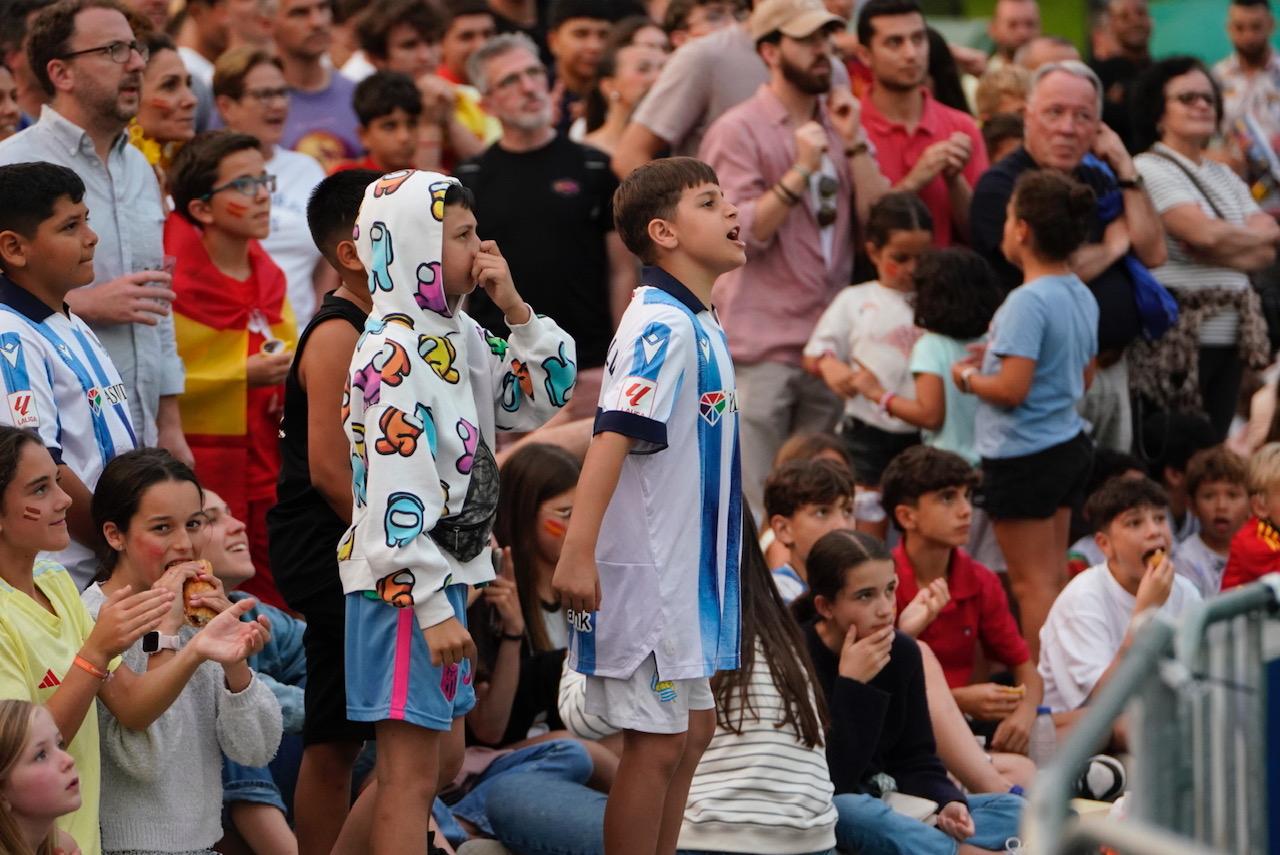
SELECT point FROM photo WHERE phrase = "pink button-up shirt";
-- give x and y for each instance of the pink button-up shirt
(770, 306)
(898, 150)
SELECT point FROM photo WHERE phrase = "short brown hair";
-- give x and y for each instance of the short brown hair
(1121, 494)
(53, 28)
(1058, 209)
(652, 193)
(922, 469)
(374, 27)
(805, 482)
(1215, 464)
(234, 66)
(1264, 468)
(998, 82)
(195, 170)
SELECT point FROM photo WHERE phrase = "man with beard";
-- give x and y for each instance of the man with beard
(1250, 81)
(923, 147)
(801, 174)
(84, 55)
(322, 122)
(547, 201)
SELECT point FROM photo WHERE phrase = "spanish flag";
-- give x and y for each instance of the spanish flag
(220, 321)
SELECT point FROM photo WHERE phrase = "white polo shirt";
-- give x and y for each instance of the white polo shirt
(60, 382)
(670, 543)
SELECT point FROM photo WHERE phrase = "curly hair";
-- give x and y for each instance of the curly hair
(1058, 210)
(956, 293)
(1147, 98)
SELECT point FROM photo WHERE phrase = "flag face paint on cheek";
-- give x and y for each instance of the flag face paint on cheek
(554, 527)
(160, 104)
(236, 209)
(30, 513)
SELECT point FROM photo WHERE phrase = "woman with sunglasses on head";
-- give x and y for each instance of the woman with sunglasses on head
(1216, 236)
(235, 328)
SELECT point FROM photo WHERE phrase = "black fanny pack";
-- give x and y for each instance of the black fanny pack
(465, 534)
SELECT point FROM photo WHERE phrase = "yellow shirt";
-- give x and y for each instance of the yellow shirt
(36, 651)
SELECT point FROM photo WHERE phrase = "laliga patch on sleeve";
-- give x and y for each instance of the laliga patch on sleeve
(636, 395)
(22, 409)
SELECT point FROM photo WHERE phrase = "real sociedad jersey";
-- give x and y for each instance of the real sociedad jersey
(670, 543)
(60, 382)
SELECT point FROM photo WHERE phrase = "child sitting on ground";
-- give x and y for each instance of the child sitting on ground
(1255, 549)
(1090, 626)
(927, 491)
(871, 327)
(1217, 486)
(803, 500)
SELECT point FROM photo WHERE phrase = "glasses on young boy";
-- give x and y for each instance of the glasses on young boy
(247, 186)
(119, 52)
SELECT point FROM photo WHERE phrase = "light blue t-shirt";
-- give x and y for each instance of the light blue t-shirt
(1054, 321)
(935, 354)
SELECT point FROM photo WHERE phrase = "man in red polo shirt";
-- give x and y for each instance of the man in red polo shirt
(923, 147)
(926, 492)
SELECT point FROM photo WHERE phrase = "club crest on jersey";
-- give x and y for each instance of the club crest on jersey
(94, 397)
(715, 405)
(636, 395)
(22, 409)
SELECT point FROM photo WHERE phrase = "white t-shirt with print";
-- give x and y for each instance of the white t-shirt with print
(874, 325)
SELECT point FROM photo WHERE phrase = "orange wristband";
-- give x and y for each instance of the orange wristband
(85, 665)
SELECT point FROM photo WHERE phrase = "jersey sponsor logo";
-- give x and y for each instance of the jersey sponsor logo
(715, 405)
(22, 409)
(50, 680)
(705, 344)
(636, 396)
(566, 187)
(580, 621)
(652, 343)
(116, 394)
(94, 396)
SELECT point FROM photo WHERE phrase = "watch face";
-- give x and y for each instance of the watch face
(151, 642)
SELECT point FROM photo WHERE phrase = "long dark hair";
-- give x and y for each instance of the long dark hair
(12, 441)
(944, 75)
(765, 619)
(529, 477)
(120, 489)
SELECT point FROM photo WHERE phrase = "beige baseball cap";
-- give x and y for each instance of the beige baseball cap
(798, 19)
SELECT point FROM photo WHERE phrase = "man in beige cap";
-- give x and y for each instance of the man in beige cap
(798, 167)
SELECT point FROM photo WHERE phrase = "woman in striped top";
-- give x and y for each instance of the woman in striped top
(1216, 235)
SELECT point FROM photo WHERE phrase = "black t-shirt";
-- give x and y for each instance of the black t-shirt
(549, 210)
(302, 528)
(1118, 75)
(1118, 319)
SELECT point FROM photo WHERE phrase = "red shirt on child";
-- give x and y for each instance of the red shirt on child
(1255, 552)
(978, 613)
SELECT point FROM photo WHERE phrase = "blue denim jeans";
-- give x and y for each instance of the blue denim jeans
(264, 784)
(561, 760)
(868, 826)
(538, 814)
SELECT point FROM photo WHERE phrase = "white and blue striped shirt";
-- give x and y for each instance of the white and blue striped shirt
(670, 543)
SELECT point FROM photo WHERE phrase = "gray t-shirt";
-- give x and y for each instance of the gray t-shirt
(701, 81)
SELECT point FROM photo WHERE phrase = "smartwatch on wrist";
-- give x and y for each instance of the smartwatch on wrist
(154, 642)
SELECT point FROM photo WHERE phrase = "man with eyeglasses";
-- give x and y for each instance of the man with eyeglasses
(84, 55)
(802, 175)
(1064, 131)
(548, 202)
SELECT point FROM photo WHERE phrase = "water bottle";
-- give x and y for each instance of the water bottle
(1043, 738)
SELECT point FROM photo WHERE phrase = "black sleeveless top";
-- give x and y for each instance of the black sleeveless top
(302, 527)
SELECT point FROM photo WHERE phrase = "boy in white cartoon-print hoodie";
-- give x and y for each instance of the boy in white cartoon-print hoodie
(428, 389)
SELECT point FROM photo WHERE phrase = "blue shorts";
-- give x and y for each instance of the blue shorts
(389, 672)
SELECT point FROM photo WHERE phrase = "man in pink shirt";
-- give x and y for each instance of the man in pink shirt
(790, 163)
(923, 147)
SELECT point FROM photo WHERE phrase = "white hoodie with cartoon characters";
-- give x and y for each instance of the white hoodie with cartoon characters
(428, 388)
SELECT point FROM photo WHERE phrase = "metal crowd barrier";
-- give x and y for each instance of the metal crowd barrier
(1196, 694)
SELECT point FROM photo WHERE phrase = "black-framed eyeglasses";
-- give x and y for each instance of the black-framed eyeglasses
(119, 52)
(827, 187)
(246, 186)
